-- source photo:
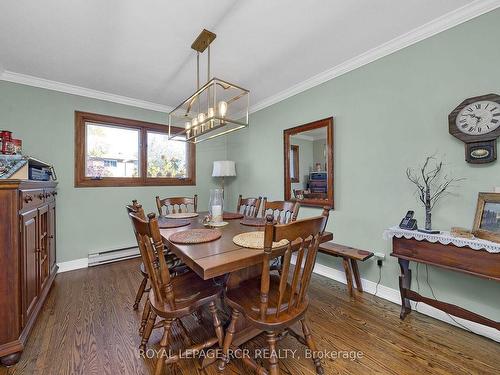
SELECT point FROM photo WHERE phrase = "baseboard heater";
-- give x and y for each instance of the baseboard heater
(109, 256)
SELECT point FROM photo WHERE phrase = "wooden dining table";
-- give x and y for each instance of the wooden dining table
(222, 258)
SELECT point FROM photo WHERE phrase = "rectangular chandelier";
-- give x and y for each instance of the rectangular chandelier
(215, 109)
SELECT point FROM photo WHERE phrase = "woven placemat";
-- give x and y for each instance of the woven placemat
(254, 240)
(192, 236)
(231, 215)
(172, 223)
(254, 221)
(181, 215)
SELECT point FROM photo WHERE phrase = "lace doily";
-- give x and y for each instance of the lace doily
(444, 237)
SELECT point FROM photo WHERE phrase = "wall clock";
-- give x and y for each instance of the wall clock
(476, 121)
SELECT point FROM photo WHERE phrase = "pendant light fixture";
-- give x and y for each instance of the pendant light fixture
(216, 108)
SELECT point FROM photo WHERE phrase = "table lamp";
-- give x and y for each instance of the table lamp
(224, 168)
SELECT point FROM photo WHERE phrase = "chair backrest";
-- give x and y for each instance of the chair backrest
(249, 206)
(151, 249)
(136, 208)
(177, 204)
(303, 237)
(282, 211)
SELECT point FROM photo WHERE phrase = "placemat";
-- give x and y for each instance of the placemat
(254, 221)
(192, 236)
(254, 240)
(181, 215)
(231, 215)
(172, 223)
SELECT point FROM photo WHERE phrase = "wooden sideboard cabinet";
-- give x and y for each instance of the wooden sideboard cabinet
(27, 259)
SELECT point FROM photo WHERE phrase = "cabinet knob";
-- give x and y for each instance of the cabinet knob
(28, 198)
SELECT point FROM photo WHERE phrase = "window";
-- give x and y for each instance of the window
(111, 151)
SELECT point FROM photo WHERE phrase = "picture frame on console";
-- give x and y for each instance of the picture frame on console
(487, 219)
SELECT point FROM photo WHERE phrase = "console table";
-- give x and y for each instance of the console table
(476, 258)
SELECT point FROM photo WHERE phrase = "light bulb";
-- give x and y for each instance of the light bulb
(201, 119)
(194, 125)
(222, 108)
(210, 112)
(188, 128)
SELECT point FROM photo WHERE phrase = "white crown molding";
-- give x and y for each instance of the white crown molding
(25, 79)
(436, 26)
(440, 24)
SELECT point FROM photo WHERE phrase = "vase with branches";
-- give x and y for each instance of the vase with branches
(432, 184)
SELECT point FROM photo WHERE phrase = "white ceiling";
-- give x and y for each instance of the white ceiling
(141, 49)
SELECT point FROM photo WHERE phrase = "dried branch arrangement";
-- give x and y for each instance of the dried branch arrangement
(431, 184)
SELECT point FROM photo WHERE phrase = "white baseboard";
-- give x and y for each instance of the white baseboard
(73, 265)
(393, 295)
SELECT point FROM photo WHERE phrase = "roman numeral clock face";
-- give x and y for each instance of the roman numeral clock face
(481, 117)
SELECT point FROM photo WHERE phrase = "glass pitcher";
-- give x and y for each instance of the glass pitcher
(215, 204)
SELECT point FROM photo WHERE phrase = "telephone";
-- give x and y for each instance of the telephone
(408, 221)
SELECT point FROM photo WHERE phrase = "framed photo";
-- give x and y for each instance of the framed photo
(487, 220)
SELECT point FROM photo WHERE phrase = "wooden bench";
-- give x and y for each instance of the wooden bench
(349, 256)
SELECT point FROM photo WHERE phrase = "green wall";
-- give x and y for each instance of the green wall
(389, 115)
(88, 219)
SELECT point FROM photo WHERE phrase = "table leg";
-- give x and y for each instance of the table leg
(404, 284)
(348, 275)
(355, 271)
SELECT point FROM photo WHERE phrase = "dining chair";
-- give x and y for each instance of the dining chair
(274, 303)
(248, 206)
(137, 209)
(174, 205)
(175, 265)
(282, 211)
(172, 298)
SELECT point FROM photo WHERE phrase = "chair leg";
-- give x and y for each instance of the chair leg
(312, 346)
(140, 292)
(217, 324)
(148, 329)
(145, 316)
(228, 340)
(274, 368)
(162, 354)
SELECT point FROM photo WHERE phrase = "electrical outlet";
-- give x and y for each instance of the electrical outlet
(497, 189)
(380, 256)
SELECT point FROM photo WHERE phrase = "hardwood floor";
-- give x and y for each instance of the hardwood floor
(87, 326)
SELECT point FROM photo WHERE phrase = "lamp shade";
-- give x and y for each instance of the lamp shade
(224, 168)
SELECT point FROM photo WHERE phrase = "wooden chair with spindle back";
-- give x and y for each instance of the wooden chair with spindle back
(273, 303)
(248, 206)
(174, 264)
(137, 209)
(282, 211)
(174, 205)
(172, 298)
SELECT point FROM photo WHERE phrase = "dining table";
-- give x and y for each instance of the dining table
(224, 260)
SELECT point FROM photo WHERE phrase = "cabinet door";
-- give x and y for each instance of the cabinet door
(52, 235)
(29, 243)
(43, 245)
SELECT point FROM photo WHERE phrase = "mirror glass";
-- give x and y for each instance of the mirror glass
(309, 174)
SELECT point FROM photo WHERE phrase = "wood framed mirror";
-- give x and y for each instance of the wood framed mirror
(308, 155)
